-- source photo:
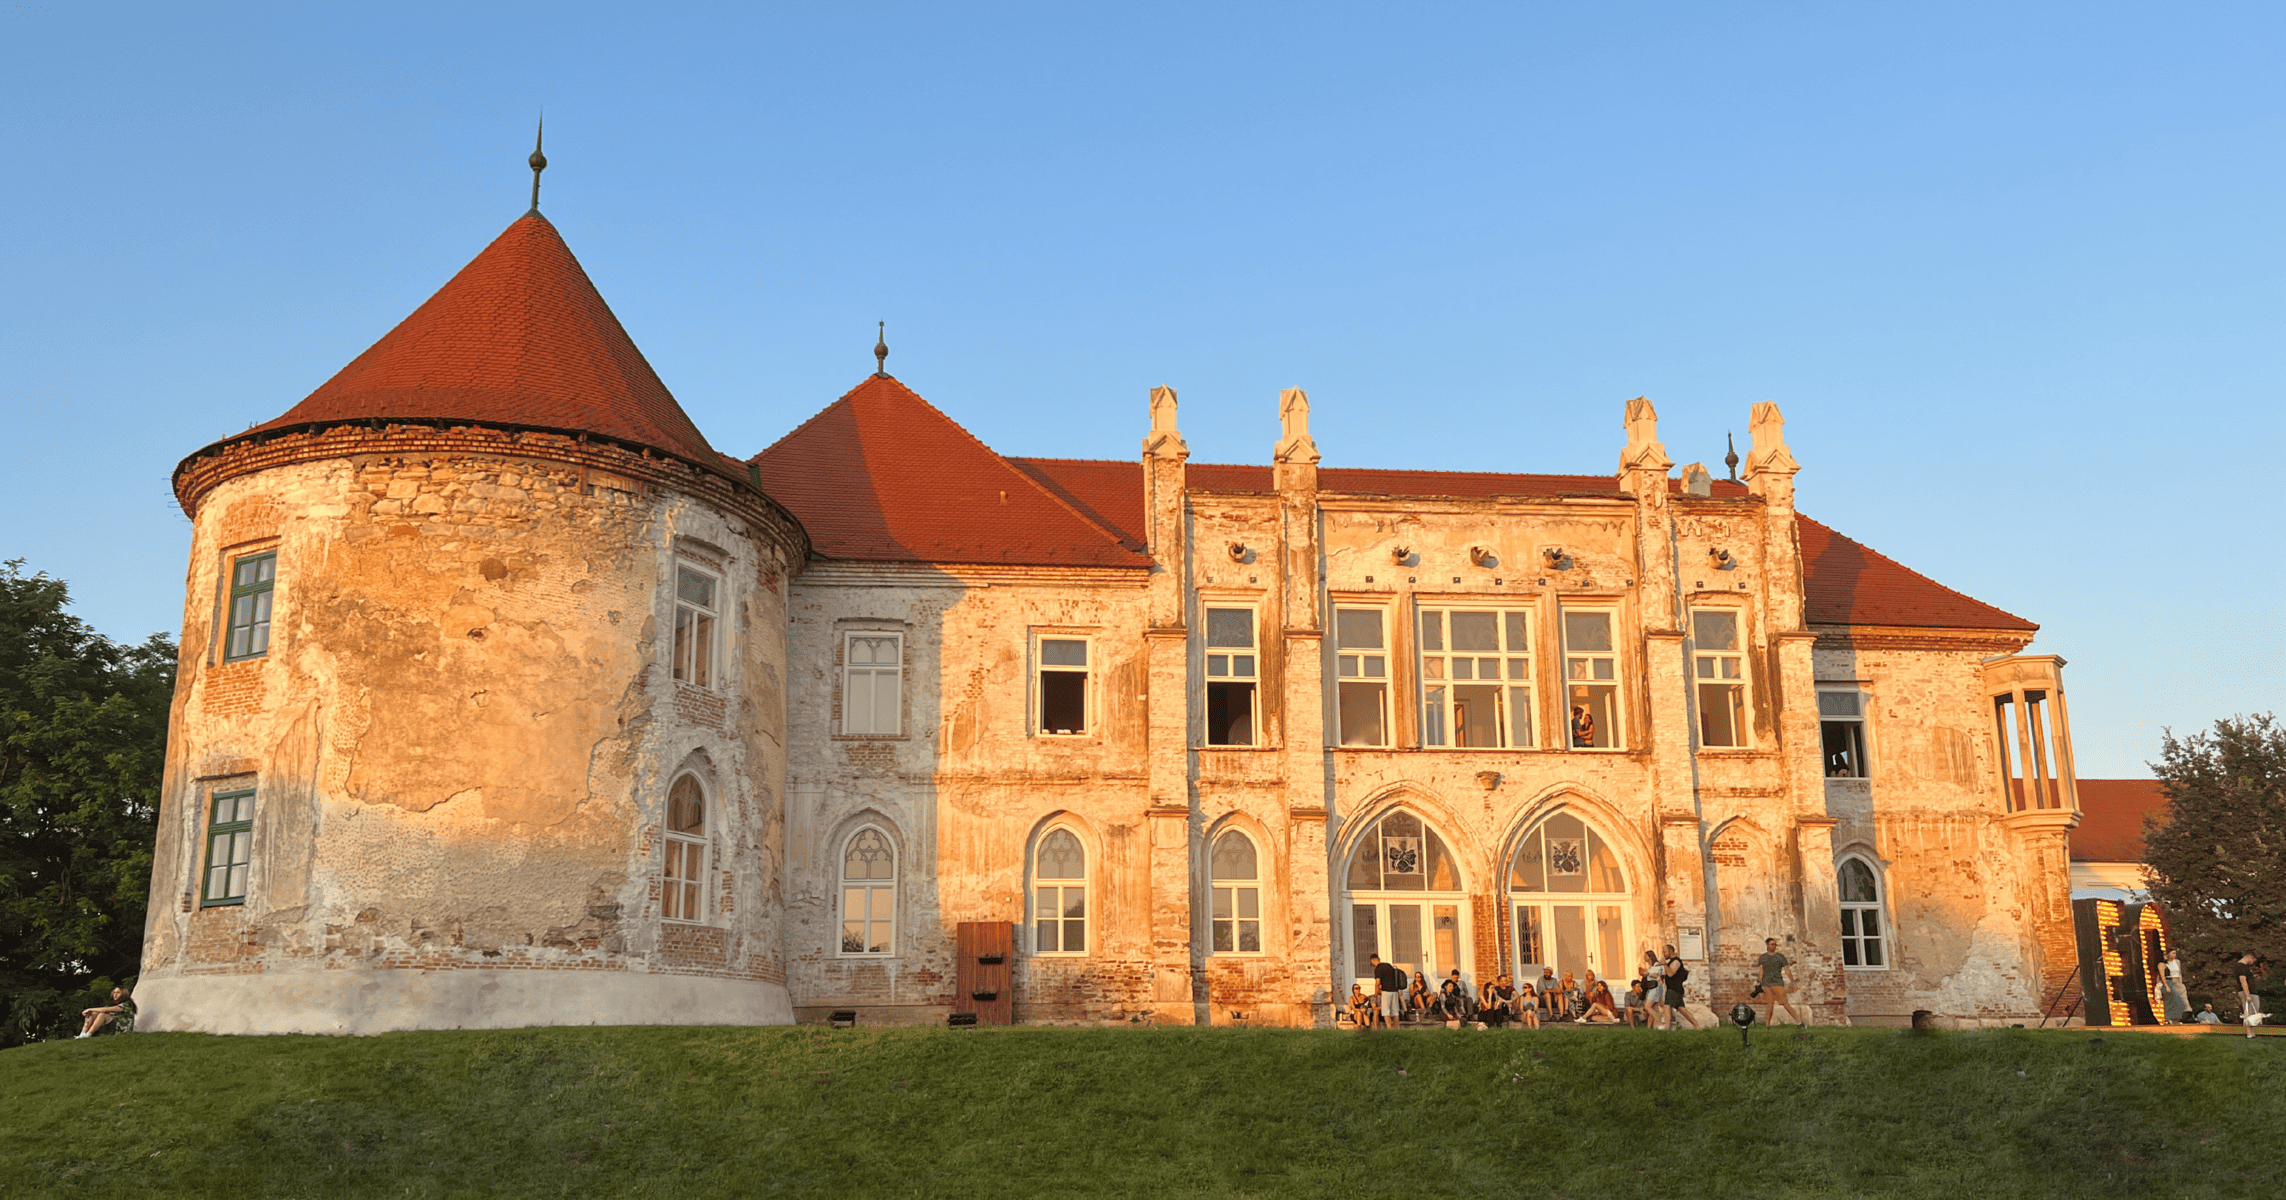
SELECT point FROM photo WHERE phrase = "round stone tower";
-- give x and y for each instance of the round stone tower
(482, 698)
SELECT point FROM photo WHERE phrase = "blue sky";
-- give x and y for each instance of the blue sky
(2012, 271)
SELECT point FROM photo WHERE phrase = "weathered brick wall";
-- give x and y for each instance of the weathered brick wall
(1966, 896)
(463, 731)
(1737, 843)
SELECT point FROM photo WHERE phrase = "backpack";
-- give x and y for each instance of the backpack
(1682, 974)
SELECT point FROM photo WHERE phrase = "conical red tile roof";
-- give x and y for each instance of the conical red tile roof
(519, 338)
(882, 475)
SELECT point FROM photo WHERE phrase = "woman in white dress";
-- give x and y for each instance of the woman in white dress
(2173, 1000)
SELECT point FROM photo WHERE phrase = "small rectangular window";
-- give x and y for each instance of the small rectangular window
(694, 625)
(1063, 686)
(253, 579)
(1476, 678)
(1233, 673)
(229, 847)
(1841, 729)
(872, 667)
(1361, 669)
(1718, 667)
(1591, 680)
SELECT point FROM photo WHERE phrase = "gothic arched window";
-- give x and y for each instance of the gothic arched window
(681, 897)
(1861, 919)
(1236, 882)
(1059, 894)
(868, 894)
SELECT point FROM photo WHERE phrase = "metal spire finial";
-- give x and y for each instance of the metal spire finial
(538, 160)
(881, 353)
(1730, 459)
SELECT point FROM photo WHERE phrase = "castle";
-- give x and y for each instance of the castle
(506, 699)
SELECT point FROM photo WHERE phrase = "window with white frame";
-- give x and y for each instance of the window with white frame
(868, 894)
(1861, 920)
(1718, 667)
(1233, 673)
(1476, 678)
(872, 667)
(695, 594)
(681, 898)
(1361, 669)
(1059, 894)
(1063, 671)
(1591, 680)
(229, 847)
(1841, 730)
(1236, 880)
(253, 583)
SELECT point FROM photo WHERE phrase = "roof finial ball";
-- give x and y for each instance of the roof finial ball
(881, 353)
(1730, 457)
(538, 160)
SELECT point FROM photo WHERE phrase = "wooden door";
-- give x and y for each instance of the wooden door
(984, 976)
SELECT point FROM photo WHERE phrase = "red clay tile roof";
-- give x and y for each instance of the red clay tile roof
(1848, 583)
(882, 475)
(519, 338)
(2111, 819)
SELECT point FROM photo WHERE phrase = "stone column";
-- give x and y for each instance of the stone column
(1302, 700)
(1166, 644)
(1824, 988)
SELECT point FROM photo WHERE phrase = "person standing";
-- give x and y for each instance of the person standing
(2173, 1000)
(2250, 1005)
(1675, 975)
(1391, 981)
(1654, 990)
(1774, 989)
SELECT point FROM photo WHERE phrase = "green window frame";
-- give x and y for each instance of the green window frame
(229, 847)
(252, 581)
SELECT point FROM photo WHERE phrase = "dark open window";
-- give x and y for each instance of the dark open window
(1063, 686)
(1232, 676)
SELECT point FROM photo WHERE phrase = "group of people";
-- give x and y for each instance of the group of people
(2173, 1002)
(1654, 998)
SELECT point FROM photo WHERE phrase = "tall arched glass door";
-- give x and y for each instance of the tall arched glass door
(1571, 904)
(1405, 902)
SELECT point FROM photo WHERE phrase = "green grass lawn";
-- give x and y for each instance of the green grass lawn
(1146, 1112)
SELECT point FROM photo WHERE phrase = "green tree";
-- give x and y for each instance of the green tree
(2217, 853)
(83, 734)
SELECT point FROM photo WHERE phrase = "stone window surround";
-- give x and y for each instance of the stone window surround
(718, 634)
(226, 563)
(1389, 679)
(843, 628)
(1448, 604)
(1251, 601)
(1258, 885)
(213, 796)
(1718, 602)
(1621, 707)
(1879, 907)
(1092, 636)
(708, 871)
(1092, 920)
(1864, 690)
(894, 887)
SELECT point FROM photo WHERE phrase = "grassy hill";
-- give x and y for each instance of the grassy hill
(682, 1112)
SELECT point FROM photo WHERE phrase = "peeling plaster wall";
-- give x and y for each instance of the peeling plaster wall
(460, 740)
(1737, 843)
(1978, 912)
(967, 784)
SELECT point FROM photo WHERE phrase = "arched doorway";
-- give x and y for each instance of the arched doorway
(1570, 900)
(1405, 901)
